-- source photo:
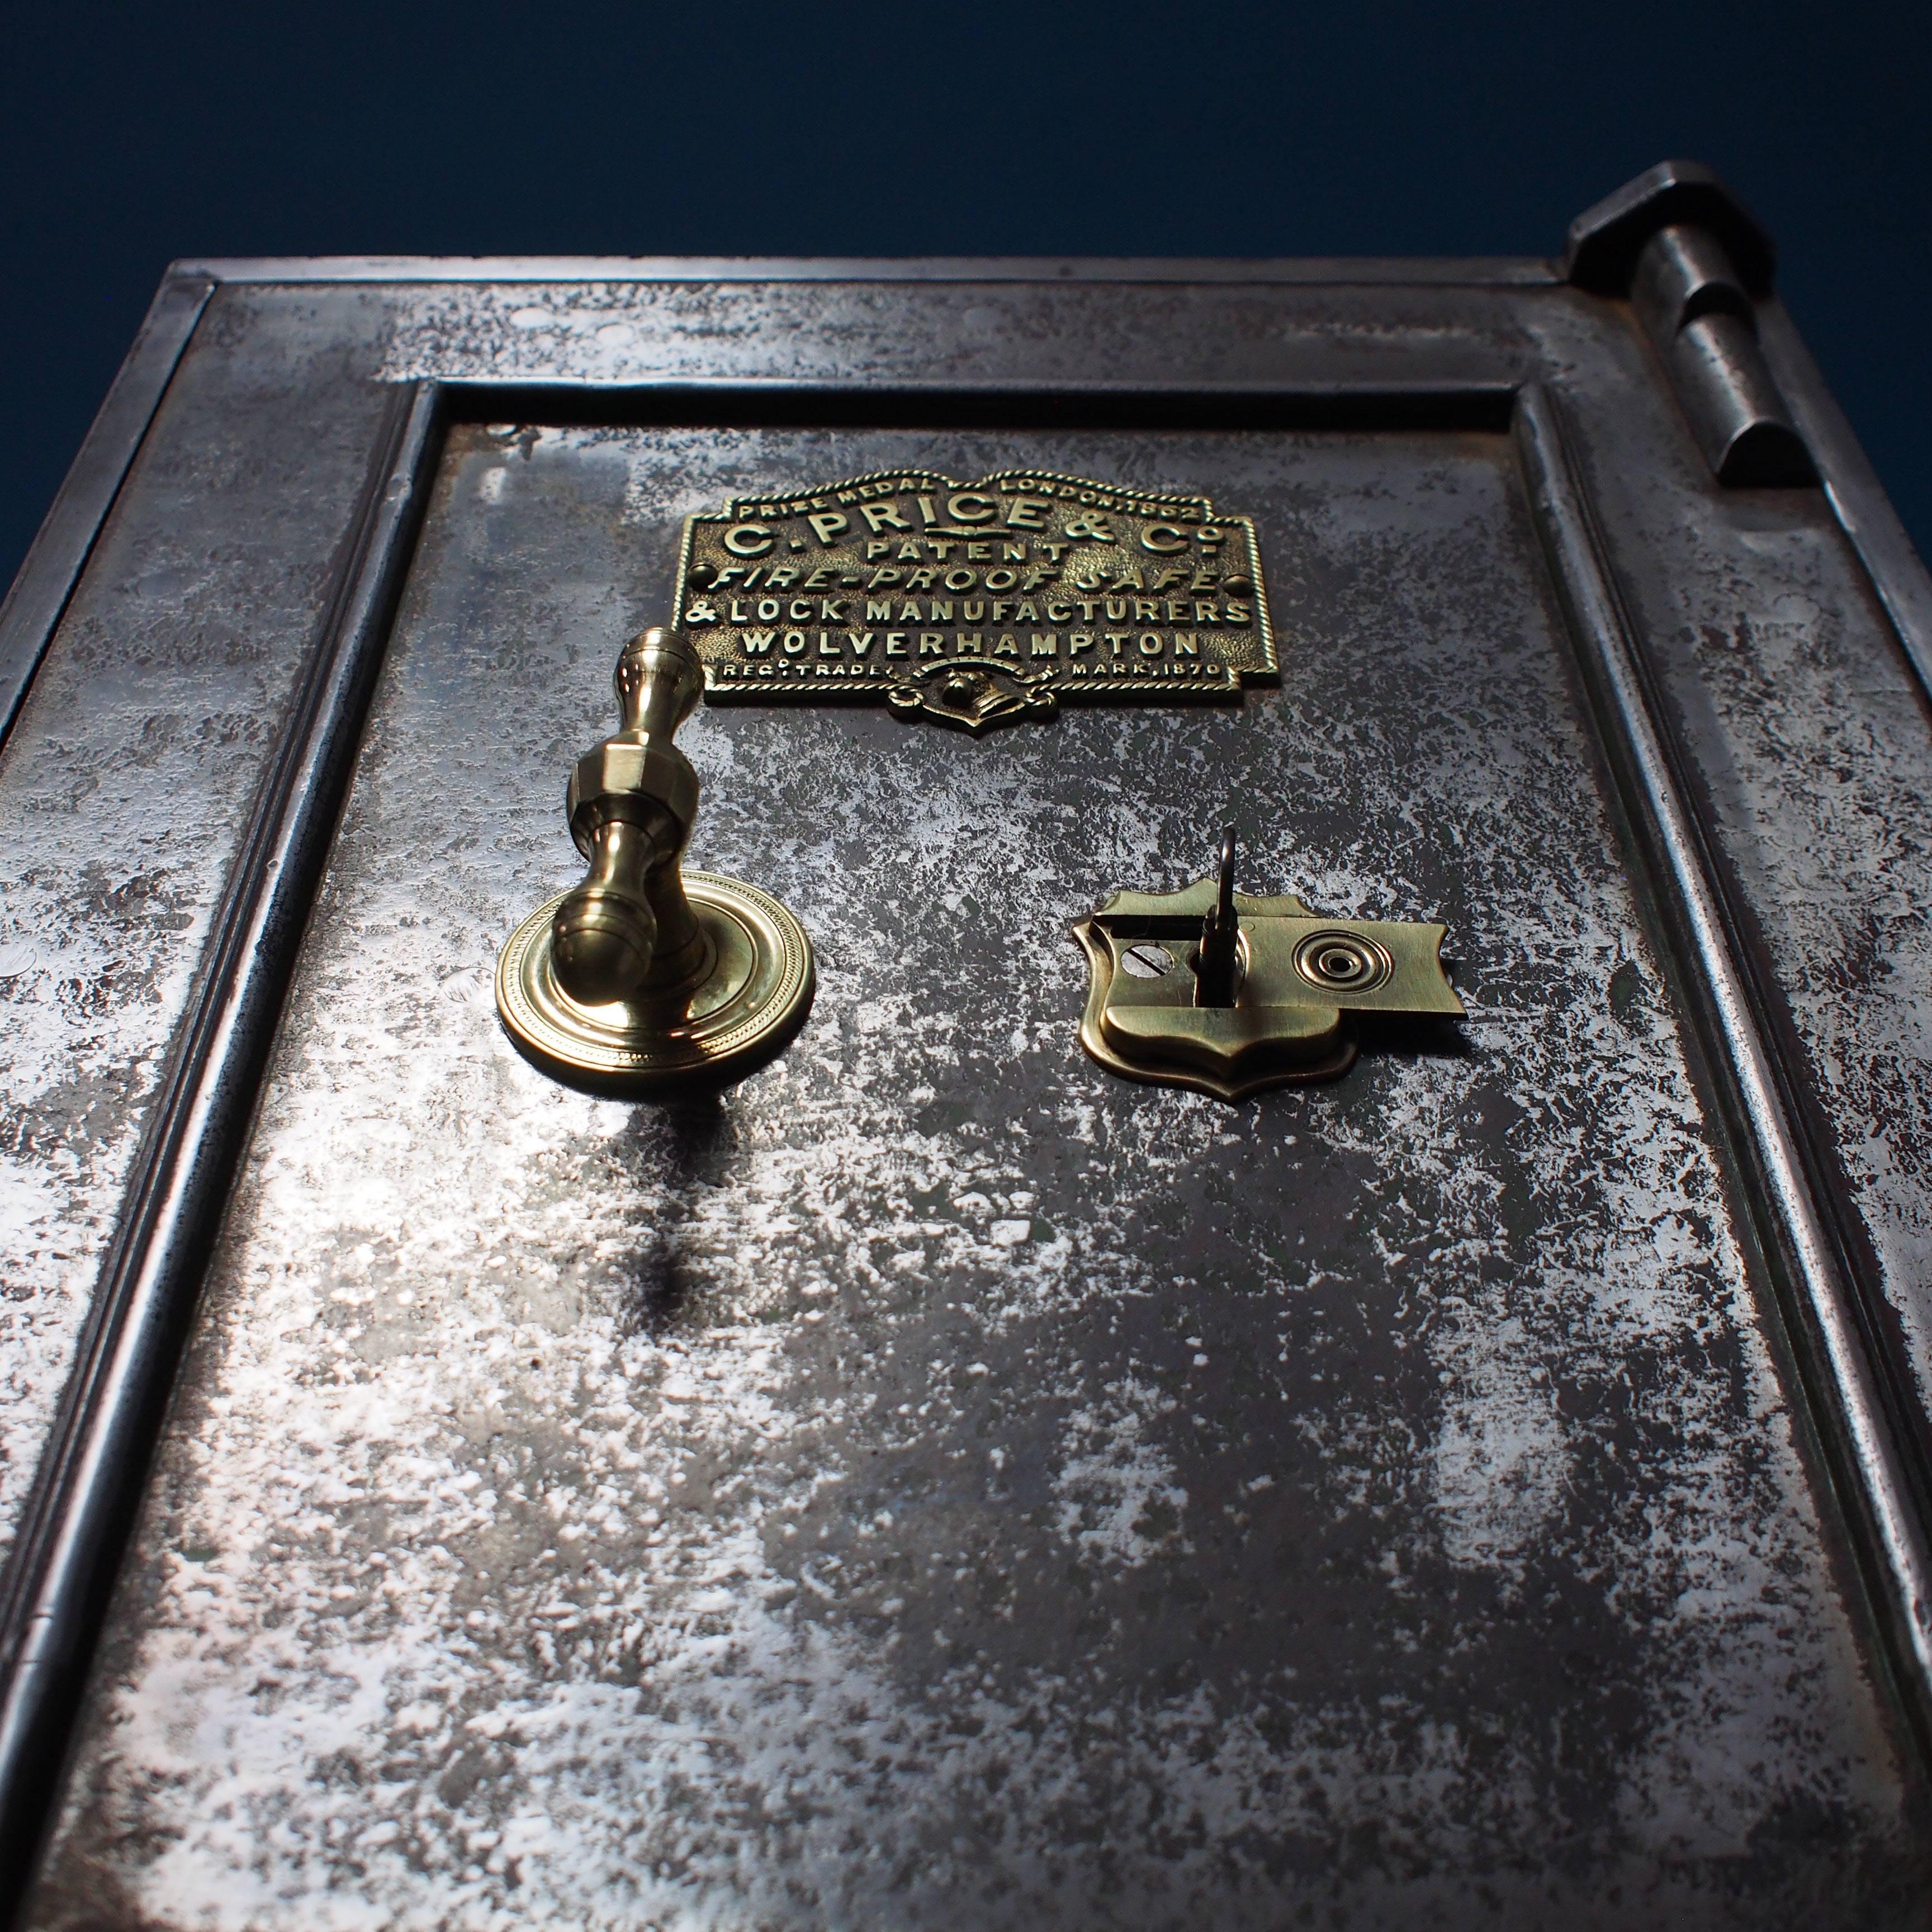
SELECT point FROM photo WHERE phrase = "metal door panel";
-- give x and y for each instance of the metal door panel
(1759, 908)
(226, 556)
(125, 787)
(938, 1484)
(1754, 606)
(1805, 736)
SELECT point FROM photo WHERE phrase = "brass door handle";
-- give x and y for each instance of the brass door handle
(645, 976)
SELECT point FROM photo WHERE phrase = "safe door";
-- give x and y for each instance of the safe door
(934, 1473)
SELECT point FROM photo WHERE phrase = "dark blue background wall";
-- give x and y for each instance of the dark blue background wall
(130, 135)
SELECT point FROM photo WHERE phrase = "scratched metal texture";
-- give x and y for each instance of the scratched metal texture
(124, 787)
(125, 784)
(1808, 740)
(937, 1485)
(122, 790)
(1808, 734)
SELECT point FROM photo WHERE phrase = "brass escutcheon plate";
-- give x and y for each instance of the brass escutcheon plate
(1301, 976)
(745, 1013)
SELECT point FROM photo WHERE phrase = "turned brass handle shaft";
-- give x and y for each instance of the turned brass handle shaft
(628, 932)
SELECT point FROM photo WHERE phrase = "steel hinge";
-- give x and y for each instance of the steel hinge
(1693, 265)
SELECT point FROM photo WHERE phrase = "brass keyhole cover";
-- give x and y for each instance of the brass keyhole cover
(1230, 993)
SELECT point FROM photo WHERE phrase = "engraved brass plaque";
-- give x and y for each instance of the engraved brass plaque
(975, 604)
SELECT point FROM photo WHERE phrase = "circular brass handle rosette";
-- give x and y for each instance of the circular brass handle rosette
(744, 1013)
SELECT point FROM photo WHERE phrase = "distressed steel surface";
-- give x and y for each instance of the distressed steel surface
(125, 781)
(941, 1485)
(124, 787)
(1817, 773)
(1807, 736)
(1817, 770)
(1036, 333)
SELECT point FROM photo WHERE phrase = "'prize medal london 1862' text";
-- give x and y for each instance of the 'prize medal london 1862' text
(974, 603)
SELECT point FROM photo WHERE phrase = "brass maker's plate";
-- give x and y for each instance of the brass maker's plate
(974, 603)
(742, 1015)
